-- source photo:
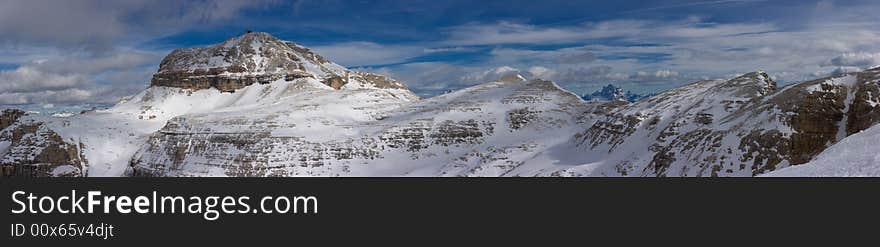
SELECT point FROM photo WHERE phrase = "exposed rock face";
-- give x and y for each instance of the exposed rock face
(740, 127)
(854, 156)
(30, 149)
(825, 111)
(863, 112)
(253, 58)
(9, 117)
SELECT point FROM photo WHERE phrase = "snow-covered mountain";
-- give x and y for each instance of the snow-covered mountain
(492, 129)
(252, 71)
(739, 127)
(255, 105)
(257, 58)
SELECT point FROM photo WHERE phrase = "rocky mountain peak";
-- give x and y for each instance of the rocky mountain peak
(611, 92)
(753, 84)
(255, 57)
(248, 37)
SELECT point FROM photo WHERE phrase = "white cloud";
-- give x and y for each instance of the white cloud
(822, 39)
(508, 33)
(77, 78)
(98, 24)
(541, 72)
(564, 56)
(27, 79)
(76, 51)
(650, 54)
(856, 59)
(665, 73)
(429, 77)
(449, 49)
(69, 95)
(368, 53)
(516, 33)
(677, 52)
(695, 30)
(491, 74)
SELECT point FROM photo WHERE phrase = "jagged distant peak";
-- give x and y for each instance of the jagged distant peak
(611, 92)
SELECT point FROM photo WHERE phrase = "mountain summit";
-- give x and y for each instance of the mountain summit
(255, 57)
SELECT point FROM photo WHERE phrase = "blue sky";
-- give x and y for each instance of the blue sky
(93, 51)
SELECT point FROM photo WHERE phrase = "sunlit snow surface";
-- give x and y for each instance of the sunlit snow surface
(855, 156)
(309, 116)
(112, 136)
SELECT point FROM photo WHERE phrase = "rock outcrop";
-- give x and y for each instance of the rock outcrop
(9, 117)
(30, 149)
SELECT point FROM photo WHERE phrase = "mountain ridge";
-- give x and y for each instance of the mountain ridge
(255, 105)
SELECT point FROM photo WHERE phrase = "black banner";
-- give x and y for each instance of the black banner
(440, 210)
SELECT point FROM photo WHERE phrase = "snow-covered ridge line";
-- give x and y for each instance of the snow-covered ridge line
(258, 106)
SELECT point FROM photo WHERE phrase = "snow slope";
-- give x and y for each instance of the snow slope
(744, 126)
(672, 132)
(112, 136)
(511, 127)
(854, 156)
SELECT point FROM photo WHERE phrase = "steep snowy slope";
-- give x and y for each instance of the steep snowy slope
(492, 129)
(739, 127)
(854, 156)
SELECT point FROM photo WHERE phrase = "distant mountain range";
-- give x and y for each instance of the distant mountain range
(255, 105)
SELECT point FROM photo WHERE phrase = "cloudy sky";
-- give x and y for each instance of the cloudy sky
(94, 51)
